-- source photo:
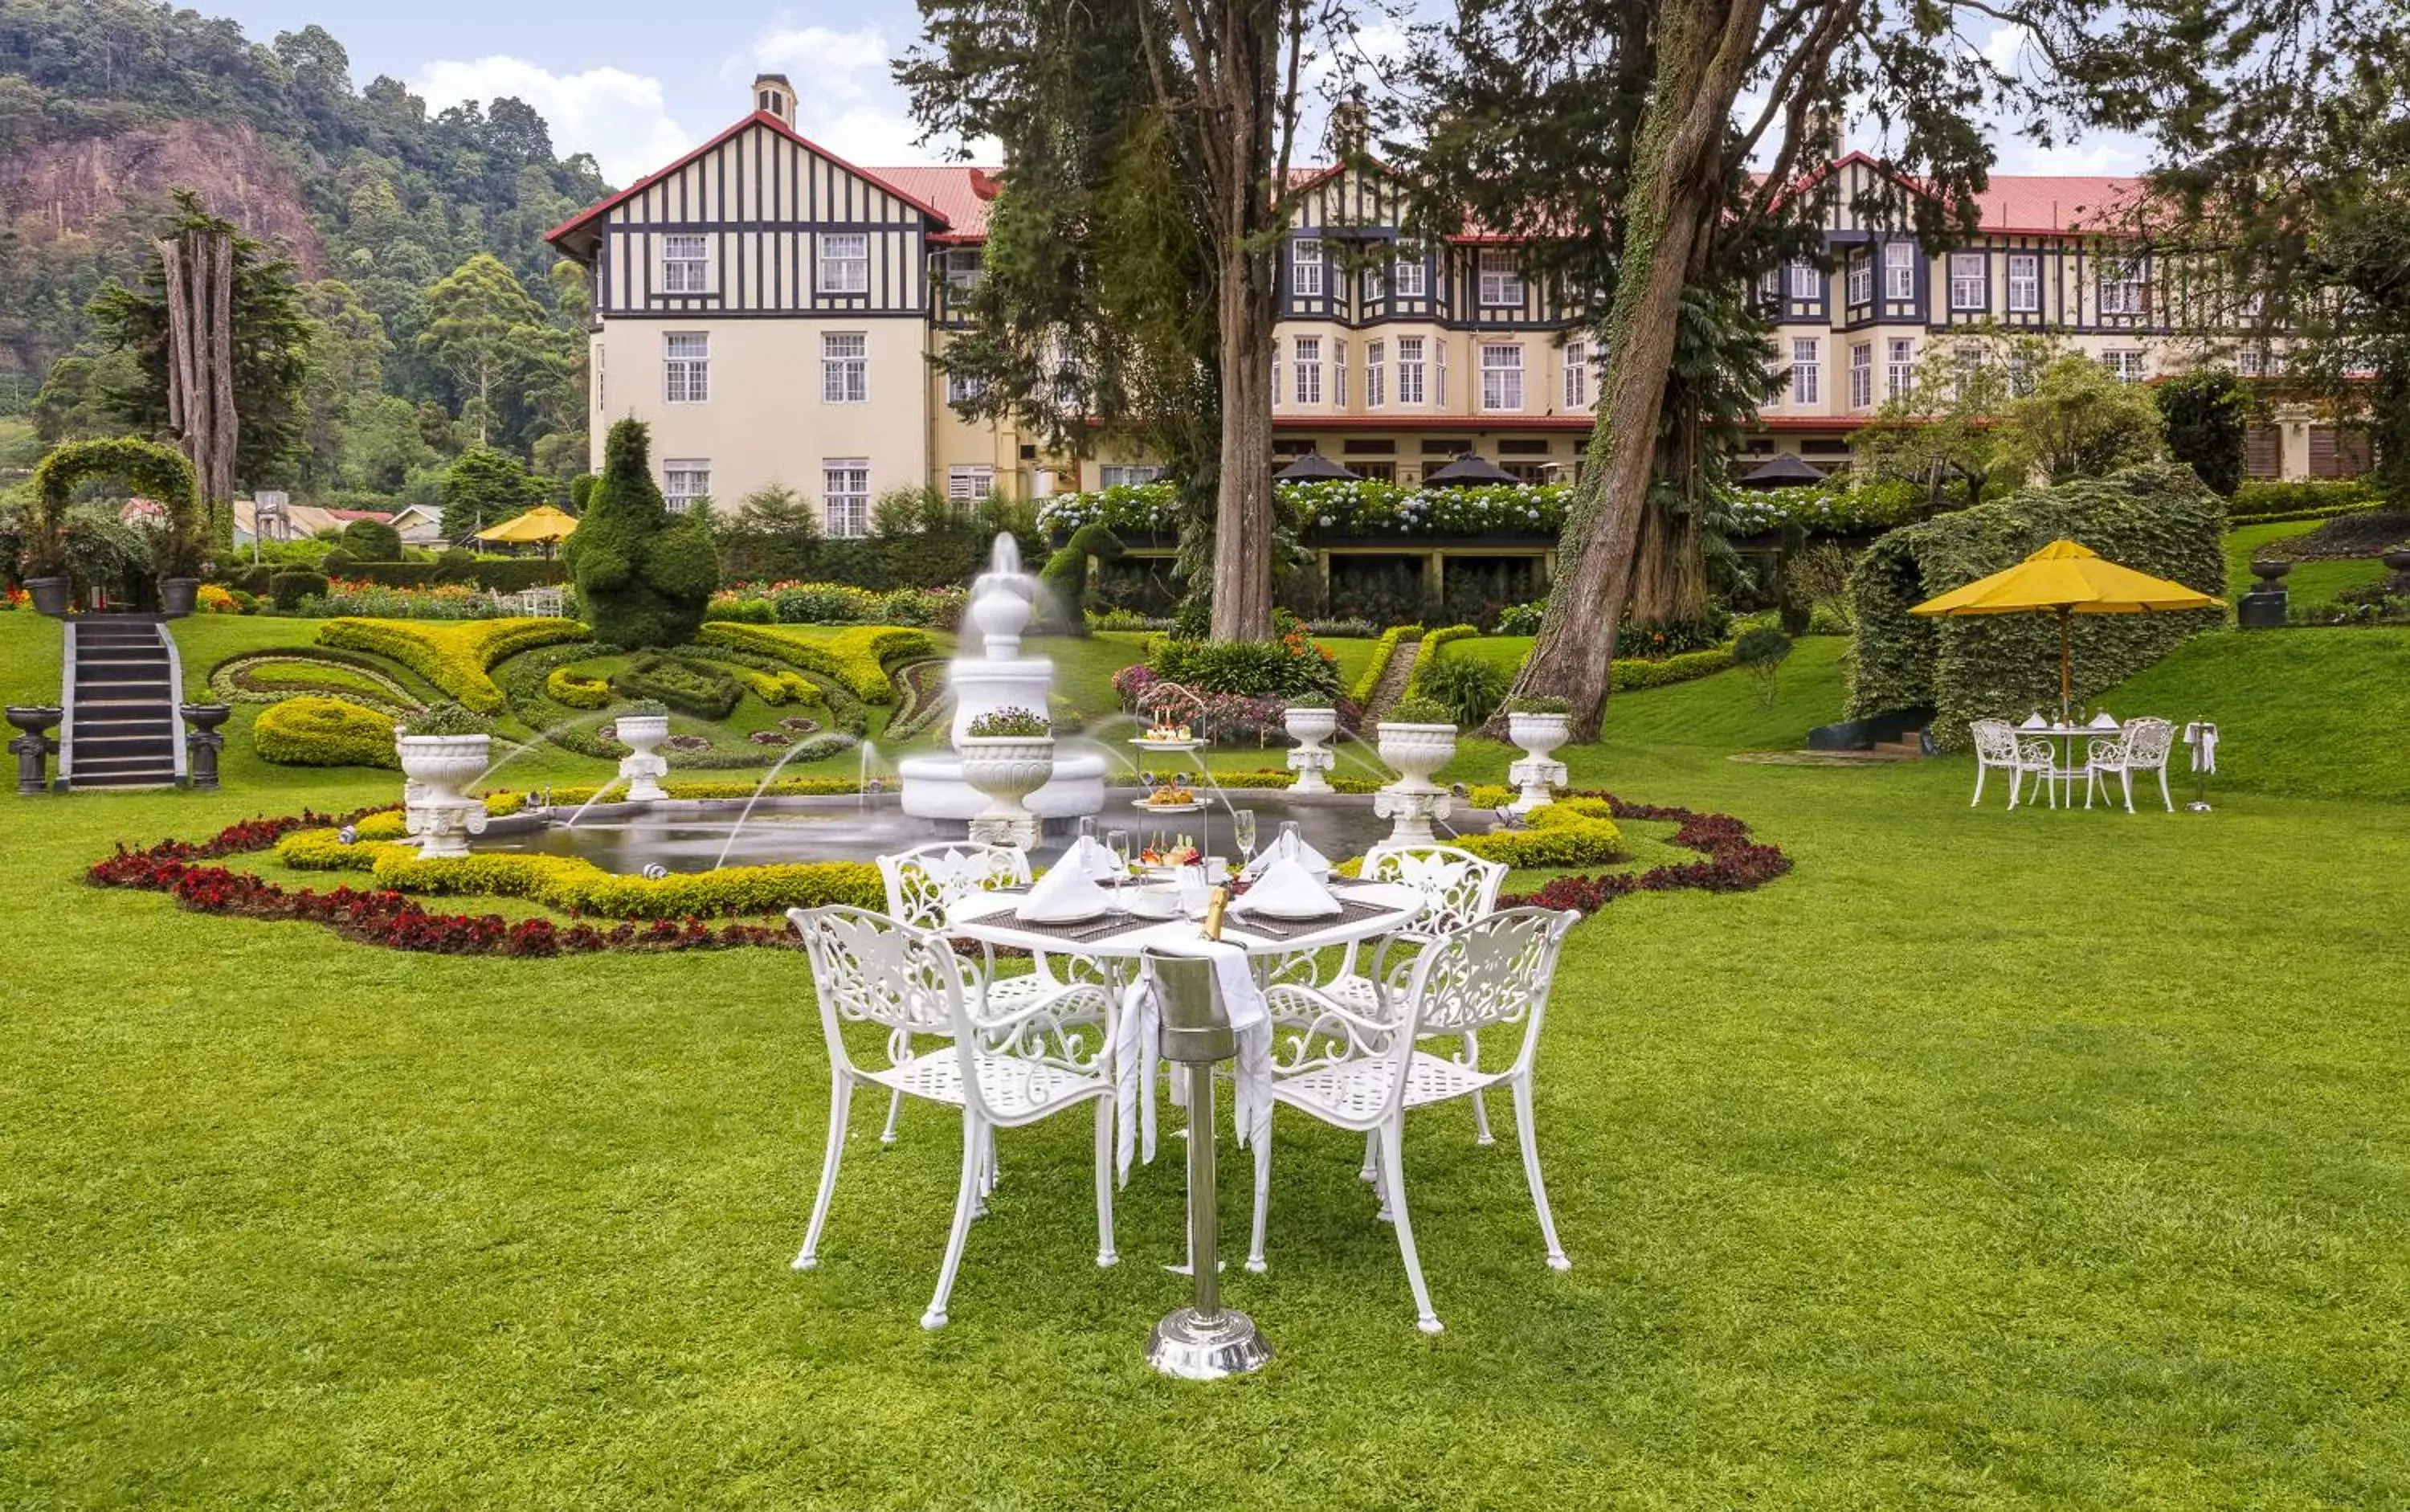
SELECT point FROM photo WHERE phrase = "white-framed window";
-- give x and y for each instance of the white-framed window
(598, 352)
(1305, 357)
(1862, 277)
(686, 264)
(1807, 280)
(844, 263)
(1305, 267)
(1971, 280)
(2124, 290)
(1408, 275)
(960, 267)
(686, 367)
(1112, 476)
(845, 368)
(1576, 375)
(845, 496)
(1376, 286)
(1861, 376)
(2025, 283)
(1439, 375)
(1376, 374)
(1805, 353)
(1276, 387)
(684, 480)
(1410, 370)
(964, 388)
(969, 485)
(2126, 364)
(1899, 269)
(1339, 372)
(1769, 289)
(1501, 282)
(1501, 376)
(2250, 362)
(1899, 366)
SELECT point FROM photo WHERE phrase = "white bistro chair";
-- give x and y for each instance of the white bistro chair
(1000, 1068)
(1998, 748)
(2143, 746)
(1362, 1072)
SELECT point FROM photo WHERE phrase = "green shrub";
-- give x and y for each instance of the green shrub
(287, 589)
(1262, 669)
(1521, 618)
(2302, 499)
(703, 692)
(643, 575)
(744, 611)
(1420, 711)
(1470, 690)
(443, 719)
(1571, 832)
(1384, 651)
(1065, 576)
(369, 540)
(570, 688)
(337, 562)
(453, 655)
(1761, 651)
(1434, 644)
(323, 731)
(2204, 413)
(2157, 519)
(858, 657)
(1538, 704)
(1018, 723)
(1632, 674)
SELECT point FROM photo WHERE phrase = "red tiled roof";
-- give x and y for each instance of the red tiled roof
(961, 191)
(2054, 201)
(347, 515)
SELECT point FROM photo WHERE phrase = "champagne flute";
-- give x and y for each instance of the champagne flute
(1118, 842)
(1243, 832)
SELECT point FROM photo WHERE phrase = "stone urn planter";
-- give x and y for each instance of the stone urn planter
(1538, 774)
(436, 770)
(1005, 770)
(202, 741)
(177, 596)
(1412, 801)
(1311, 759)
(2269, 571)
(50, 595)
(35, 745)
(2397, 561)
(644, 768)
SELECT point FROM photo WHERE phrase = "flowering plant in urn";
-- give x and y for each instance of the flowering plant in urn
(1538, 726)
(1007, 754)
(1417, 738)
(443, 750)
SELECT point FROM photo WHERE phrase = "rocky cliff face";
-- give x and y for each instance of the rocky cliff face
(59, 192)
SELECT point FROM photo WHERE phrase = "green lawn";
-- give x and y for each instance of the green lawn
(1989, 1159)
(2309, 582)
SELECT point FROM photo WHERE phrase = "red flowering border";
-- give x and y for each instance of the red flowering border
(1732, 862)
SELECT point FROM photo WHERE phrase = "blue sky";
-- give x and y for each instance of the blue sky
(636, 85)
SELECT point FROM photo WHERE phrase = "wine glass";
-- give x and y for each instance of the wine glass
(1243, 832)
(1118, 842)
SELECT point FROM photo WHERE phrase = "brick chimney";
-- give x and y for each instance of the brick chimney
(774, 94)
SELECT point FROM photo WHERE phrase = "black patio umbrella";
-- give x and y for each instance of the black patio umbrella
(1781, 471)
(1313, 466)
(1468, 471)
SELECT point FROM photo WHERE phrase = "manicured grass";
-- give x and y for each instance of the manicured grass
(2310, 582)
(29, 665)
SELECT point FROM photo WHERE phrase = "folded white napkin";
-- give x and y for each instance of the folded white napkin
(2102, 721)
(1289, 847)
(1134, 1053)
(2202, 738)
(2035, 721)
(1089, 855)
(1063, 894)
(1287, 891)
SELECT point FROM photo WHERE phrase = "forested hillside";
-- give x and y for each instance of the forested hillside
(382, 209)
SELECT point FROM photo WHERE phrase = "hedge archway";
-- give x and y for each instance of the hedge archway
(150, 469)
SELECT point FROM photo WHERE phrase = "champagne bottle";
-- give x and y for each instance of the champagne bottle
(1215, 902)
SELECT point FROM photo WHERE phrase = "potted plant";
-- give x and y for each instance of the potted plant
(443, 748)
(642, 728)
(1538, 724)
(1006, 755)
(1311, 720)
(44, 565)
(176, 559)
(1417, 738)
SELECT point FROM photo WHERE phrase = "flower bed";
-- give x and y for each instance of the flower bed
(1335, 510)
(379, 601)
(837, 603)
(454, 656)
(1571, 832)
(238, 679)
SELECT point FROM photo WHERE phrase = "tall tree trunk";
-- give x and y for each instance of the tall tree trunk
(1703, 56)
(224, 421)
(1242, 516)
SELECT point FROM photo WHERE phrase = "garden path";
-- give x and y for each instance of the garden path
(1394, 677)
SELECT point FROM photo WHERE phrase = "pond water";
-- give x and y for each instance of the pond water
(690, 836)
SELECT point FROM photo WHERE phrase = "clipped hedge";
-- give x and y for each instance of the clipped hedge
(287, 589)
(2262, 501)
(572, 884)
(1630, 675)
(1571, 832)
(1417, 681)
(1383, 650)
(2157, 519)
(857, 657)
(454, 656)
(700, 691)
(572, 689)
(311, 731)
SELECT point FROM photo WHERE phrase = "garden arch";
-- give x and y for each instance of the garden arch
(149, 467)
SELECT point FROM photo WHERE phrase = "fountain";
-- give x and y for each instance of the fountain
(1310, 759)
(1539, 774)
(989, 676)
(644, 767)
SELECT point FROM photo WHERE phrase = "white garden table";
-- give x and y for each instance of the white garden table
(1376, 909)
(2067, 736)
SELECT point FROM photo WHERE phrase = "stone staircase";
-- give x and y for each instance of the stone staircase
(122, 729)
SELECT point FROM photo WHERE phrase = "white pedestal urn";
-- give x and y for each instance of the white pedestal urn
(1412, 801)
(435, 810)
(1311, 759)
(1005, 770)
(644, 766)
(1538, 773)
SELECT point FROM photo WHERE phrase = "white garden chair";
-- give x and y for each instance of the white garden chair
(1001, 1068)
(542, 602)
(1362, 1072)
(2143, 746)
(1998, 747)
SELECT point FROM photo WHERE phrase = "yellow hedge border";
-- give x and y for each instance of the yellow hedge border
(454, 655)
(857, 657)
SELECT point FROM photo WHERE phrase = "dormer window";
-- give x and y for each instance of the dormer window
(774, 96)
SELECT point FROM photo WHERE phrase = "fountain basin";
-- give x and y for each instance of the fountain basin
(933, 788)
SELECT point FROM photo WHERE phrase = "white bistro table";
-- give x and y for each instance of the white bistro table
(1373, 910)
(2065, 771)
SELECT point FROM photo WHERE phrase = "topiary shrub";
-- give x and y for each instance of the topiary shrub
(644, 576)
(368, 540)
(705, 692)
(2205, 412)
(323, 731)
(2157, 519)
(287, 589)
(1065, 577)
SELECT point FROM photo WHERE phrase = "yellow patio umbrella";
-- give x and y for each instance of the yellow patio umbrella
(542, 524)
(2068, 579)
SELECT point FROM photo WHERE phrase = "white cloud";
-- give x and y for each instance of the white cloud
(846, 94)
(618, 116)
